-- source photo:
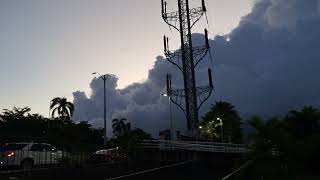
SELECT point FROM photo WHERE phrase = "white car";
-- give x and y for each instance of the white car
(28, 155)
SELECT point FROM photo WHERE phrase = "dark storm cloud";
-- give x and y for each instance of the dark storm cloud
(269, 64)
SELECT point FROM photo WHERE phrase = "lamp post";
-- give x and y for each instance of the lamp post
(170, 113)
(104, 78)
(48, 121)
(221, 124)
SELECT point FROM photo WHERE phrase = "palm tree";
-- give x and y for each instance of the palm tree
(222, 114)
(303, 123)
(62, 107)
(261, 134)
(120, 126)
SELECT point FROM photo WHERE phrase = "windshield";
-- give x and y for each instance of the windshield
(10, 147)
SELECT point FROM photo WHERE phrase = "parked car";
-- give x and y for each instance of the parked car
(28, 155)
(108, 155)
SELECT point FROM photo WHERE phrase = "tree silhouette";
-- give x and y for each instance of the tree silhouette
(303, 123)
(292, 142)
(230, 122)
(266, 135)
(129, 139)
(62, 107)
(15, 113)
(19, 125)
(120, 126)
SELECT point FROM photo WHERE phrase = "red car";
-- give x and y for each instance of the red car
(108, 155)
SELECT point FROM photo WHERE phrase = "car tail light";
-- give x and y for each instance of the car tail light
(12, 154)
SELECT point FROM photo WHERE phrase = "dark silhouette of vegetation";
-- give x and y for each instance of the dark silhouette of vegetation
(120, 126)
(210, 127)
(62, 107)
(129, 139)
(288, 147)
(125, 137)
(18, 125)
(282, 148)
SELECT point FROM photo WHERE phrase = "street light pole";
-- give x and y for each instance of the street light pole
(219, 119)
(171, 123)
(104, 78)
(48, 121)
(170, 114)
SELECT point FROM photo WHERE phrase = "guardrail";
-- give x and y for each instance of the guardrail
(194, 146)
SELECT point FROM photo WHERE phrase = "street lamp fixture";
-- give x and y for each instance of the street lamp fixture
(164, 94)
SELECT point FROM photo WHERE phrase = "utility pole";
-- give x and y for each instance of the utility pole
(104, 78)
(186, 59)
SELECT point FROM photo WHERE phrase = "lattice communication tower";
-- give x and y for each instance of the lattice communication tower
(186, 60)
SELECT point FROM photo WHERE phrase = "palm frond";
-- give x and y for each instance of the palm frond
(54, 111)
(54, 102)
(70, 107)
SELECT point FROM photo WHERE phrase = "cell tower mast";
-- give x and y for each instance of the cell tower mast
(186, 59)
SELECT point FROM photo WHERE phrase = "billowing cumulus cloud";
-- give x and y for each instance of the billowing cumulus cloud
(270, 65)
(141, 103)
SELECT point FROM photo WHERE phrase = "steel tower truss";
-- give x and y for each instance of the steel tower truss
(186, 59)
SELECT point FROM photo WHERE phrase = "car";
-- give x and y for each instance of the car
(29, 155)
(108, 155)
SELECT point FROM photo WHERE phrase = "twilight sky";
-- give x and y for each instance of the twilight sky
(50, 48)
(267, 65)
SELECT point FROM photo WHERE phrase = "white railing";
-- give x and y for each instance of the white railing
(194, 146)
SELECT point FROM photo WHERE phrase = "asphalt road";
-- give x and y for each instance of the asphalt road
(188, 171)
(184, 171)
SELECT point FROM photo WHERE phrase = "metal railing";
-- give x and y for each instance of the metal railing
(194, 146)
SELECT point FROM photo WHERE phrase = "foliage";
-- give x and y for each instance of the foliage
(303, 123)
(279, 145)
(62, 107)
(75, 137)
(120, 126)
(124, 136)
(129, 139)
(288, 144)
(15, 113)
(210, 127)
(18, 125)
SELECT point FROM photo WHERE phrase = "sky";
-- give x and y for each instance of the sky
(266, 65)
(50, 48)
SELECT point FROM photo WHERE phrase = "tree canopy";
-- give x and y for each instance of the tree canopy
(120, 126)
(292, 142)
(222, 116)
(62, 107)
(18, 125)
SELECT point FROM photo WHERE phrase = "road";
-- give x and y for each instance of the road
(188, 171)
(185, 171)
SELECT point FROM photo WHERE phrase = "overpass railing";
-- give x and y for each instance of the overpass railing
(194, 146)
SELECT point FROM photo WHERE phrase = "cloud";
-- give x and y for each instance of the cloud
(141, 103)
(270, 65)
